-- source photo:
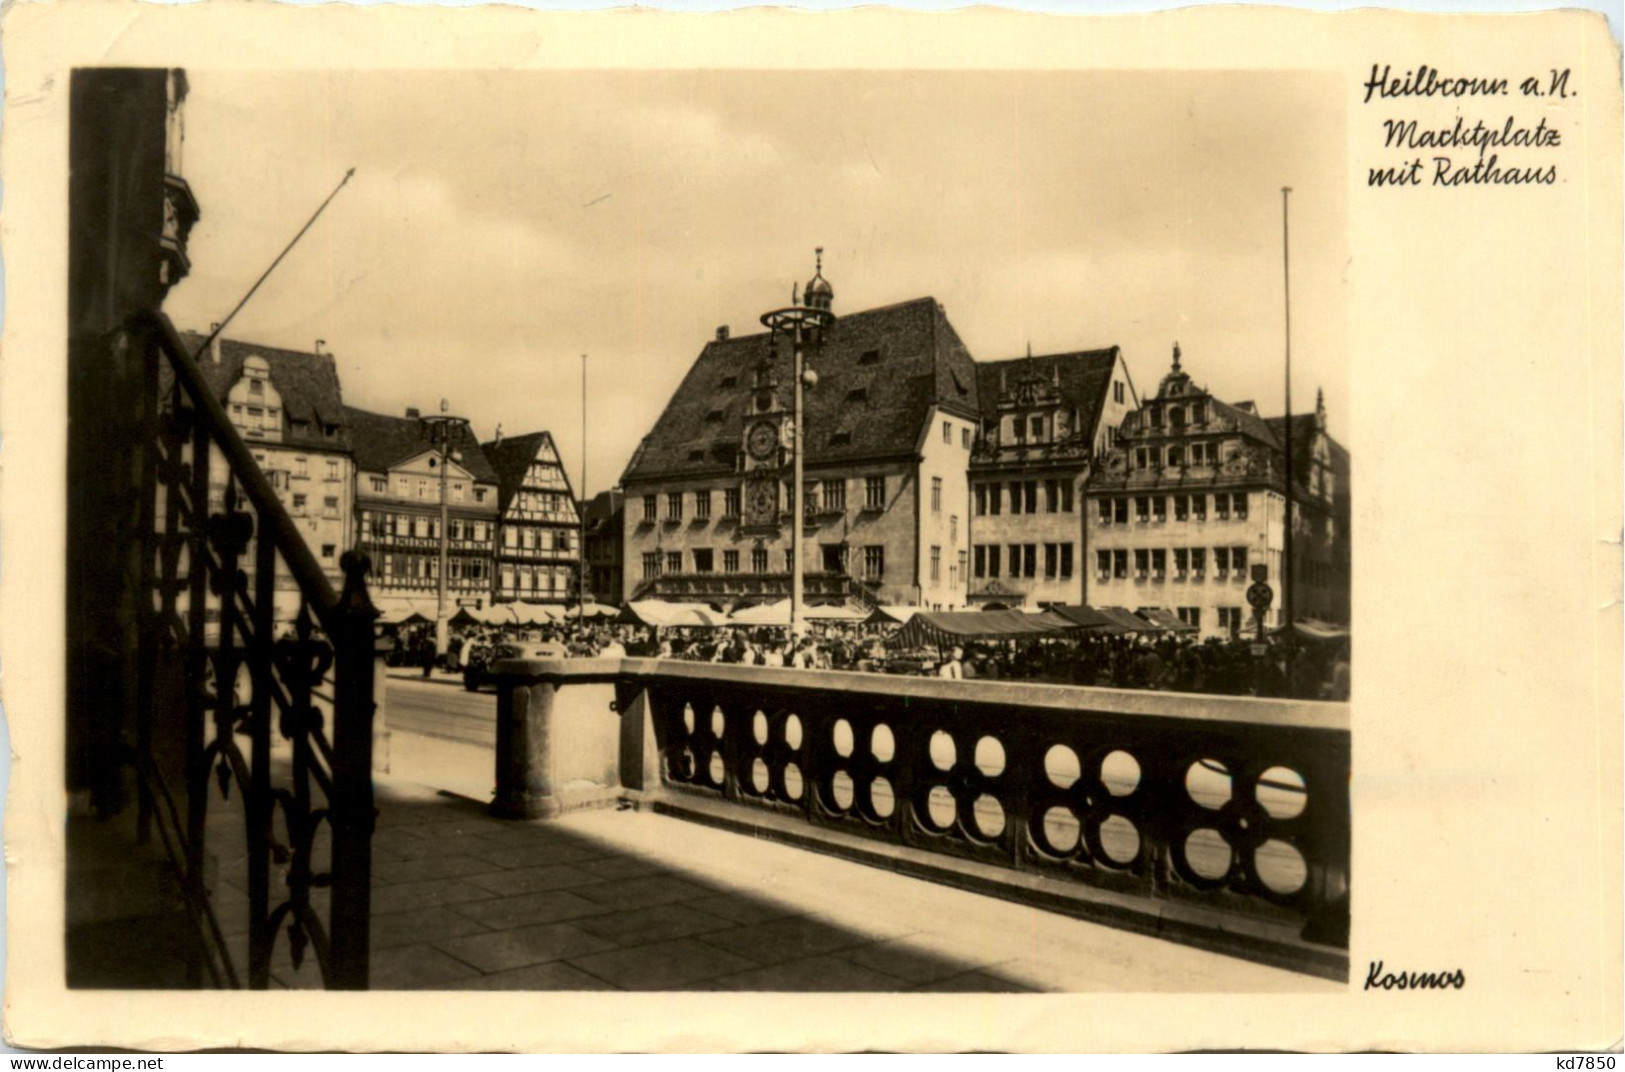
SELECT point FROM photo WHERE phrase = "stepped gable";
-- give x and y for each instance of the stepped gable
(1084, 377)
(308, 383)
(879, 372)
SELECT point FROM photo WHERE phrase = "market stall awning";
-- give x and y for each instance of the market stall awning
(1128, 620)
(778, 614)
(891, 615)
(1088, 618)
(533, 613)
(590, 610)
(496, 614)
(1315, 629)
(942, 627)
(670, 615)
(1165, 619)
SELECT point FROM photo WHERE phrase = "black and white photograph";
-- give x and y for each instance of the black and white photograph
(791, 531)
(780, 531)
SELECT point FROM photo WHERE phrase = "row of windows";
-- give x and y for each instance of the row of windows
(301, 468)
(548, 503)
(703, 560)
(955, 569)
(1176, 455)
(427, 567)
(300, 505)
(1179, 414)
(426, 488)
(1189, 563)
(1024, 497)
(829, 494)
(1023, 560)
(948, 435)
(525, 538)
(543, 579)
(383, 526)
(1226, 505)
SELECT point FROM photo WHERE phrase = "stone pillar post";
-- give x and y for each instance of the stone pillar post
(380, 720)
(524, 754)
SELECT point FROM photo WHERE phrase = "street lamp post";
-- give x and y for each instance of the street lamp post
(804, 321)
(439, 430)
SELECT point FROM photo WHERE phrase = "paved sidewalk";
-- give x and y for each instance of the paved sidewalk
(628, 900)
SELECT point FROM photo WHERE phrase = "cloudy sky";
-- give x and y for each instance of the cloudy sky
(499, 225)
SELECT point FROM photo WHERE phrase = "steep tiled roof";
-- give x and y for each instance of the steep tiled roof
(1085, 380)
(307, 382)
(1304, 426)
(381, 441)
(601, 508)
(1249, 423)
(511, 458)
(878, 373)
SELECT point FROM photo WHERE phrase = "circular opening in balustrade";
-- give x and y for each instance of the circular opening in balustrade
(940, 807)
(792, 781)
(881, 743)
(1208, 783)
(881, 798)
(688, 717)
(792, 731)
(718, 771)
(989, 815)
(1120, 773)
(1119, 839)
(990, 757)
(842, 790)
(758, 727)
(718, 723)
(1060, 830)
(1208, 853)
(942, 751)
(759, 776)
(1281, 793)
(1062, 767)
(1280, 866)
(842, 735)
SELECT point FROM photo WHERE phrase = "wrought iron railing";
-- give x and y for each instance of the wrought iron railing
(254, 733)
(1229, 814)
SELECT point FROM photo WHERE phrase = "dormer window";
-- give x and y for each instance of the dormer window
(256, 387)
(870, 357)
(728, 381)
(715, 416)
(858, 394)
(840, 439)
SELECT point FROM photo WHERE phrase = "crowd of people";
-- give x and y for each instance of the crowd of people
(1280, 667)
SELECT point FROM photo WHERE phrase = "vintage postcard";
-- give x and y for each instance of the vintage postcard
(811, 531)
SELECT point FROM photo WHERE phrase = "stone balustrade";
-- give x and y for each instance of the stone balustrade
(1220, 821)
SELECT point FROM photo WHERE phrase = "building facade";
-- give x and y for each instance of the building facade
(1188, 509)
(605, 517)
(288, 407)
(397, 507)
(1045, 420)
(538, 538)
(885, 509)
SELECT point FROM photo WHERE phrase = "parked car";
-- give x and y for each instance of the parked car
(475, 673)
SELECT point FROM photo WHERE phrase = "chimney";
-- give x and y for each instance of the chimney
(319, 344)
(498, 440)
(214, 344)
(413, 413)
(722, 332)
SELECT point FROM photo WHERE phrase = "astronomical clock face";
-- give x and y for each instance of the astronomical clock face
(762, 440)
(761, 502)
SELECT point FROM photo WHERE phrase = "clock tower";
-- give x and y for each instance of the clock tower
(766, 444)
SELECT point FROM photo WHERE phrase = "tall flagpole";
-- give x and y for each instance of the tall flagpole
(1286, 543)
(581, 516)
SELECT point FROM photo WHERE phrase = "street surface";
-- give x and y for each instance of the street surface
(441, 710)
